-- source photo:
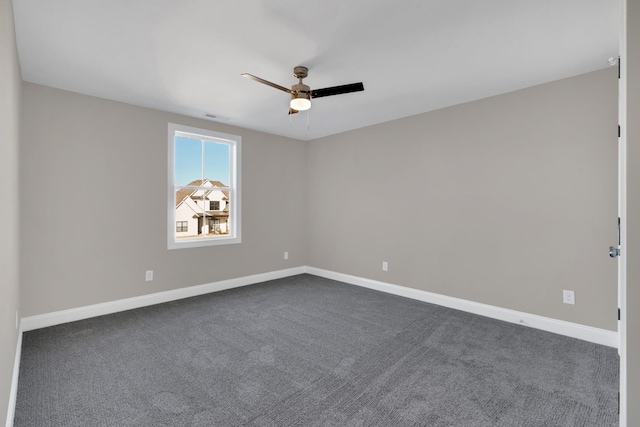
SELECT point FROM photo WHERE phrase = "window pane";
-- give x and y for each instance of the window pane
(195, 217)
(216, 163)
(187, 161)
(186, 215)
(217, 215)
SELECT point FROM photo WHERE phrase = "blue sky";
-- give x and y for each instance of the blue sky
(188, 161)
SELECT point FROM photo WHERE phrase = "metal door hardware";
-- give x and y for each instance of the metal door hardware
(614, 252)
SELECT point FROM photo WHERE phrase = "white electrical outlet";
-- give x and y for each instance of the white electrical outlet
(568, 297)
(385, 266)
(286, 255)
(148, 275)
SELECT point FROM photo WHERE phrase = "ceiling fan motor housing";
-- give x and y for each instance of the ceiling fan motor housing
(300, 97)
(300, 88)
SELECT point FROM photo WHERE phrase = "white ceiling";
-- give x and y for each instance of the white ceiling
(413, 56)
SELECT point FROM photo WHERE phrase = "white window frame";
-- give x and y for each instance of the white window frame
(234, 142)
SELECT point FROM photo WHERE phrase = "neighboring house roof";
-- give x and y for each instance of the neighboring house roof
(215, 214)
(186, 192)
(181, 195)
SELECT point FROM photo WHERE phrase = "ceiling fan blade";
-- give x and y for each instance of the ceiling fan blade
(292, 111)
(337, 90)
(268, 83)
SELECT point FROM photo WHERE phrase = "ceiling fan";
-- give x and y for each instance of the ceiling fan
(301, 94)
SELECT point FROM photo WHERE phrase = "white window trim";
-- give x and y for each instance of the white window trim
(235, 143)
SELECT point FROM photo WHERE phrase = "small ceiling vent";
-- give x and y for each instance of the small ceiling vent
(217, 117)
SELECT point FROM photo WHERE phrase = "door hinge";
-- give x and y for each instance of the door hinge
(618, 403)
(619, 131)
(619, 60)
(618, 313)
(618, 231)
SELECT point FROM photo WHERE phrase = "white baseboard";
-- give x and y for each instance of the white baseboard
(574, 330)
(71, 315)
(13, 393)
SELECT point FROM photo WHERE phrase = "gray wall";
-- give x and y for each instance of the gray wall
(10, 82)
(505, 201)
(93, 203)
(632, 62)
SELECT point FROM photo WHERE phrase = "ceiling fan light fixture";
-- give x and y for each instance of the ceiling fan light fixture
(300, 101)
(301, 94)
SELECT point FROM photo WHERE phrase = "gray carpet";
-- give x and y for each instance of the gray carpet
(307, 351)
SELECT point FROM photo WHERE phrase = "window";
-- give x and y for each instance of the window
(204, 188)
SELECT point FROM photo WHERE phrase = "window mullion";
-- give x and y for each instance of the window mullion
(202, 163)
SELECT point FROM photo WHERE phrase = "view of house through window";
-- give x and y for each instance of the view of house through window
(204, 187)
